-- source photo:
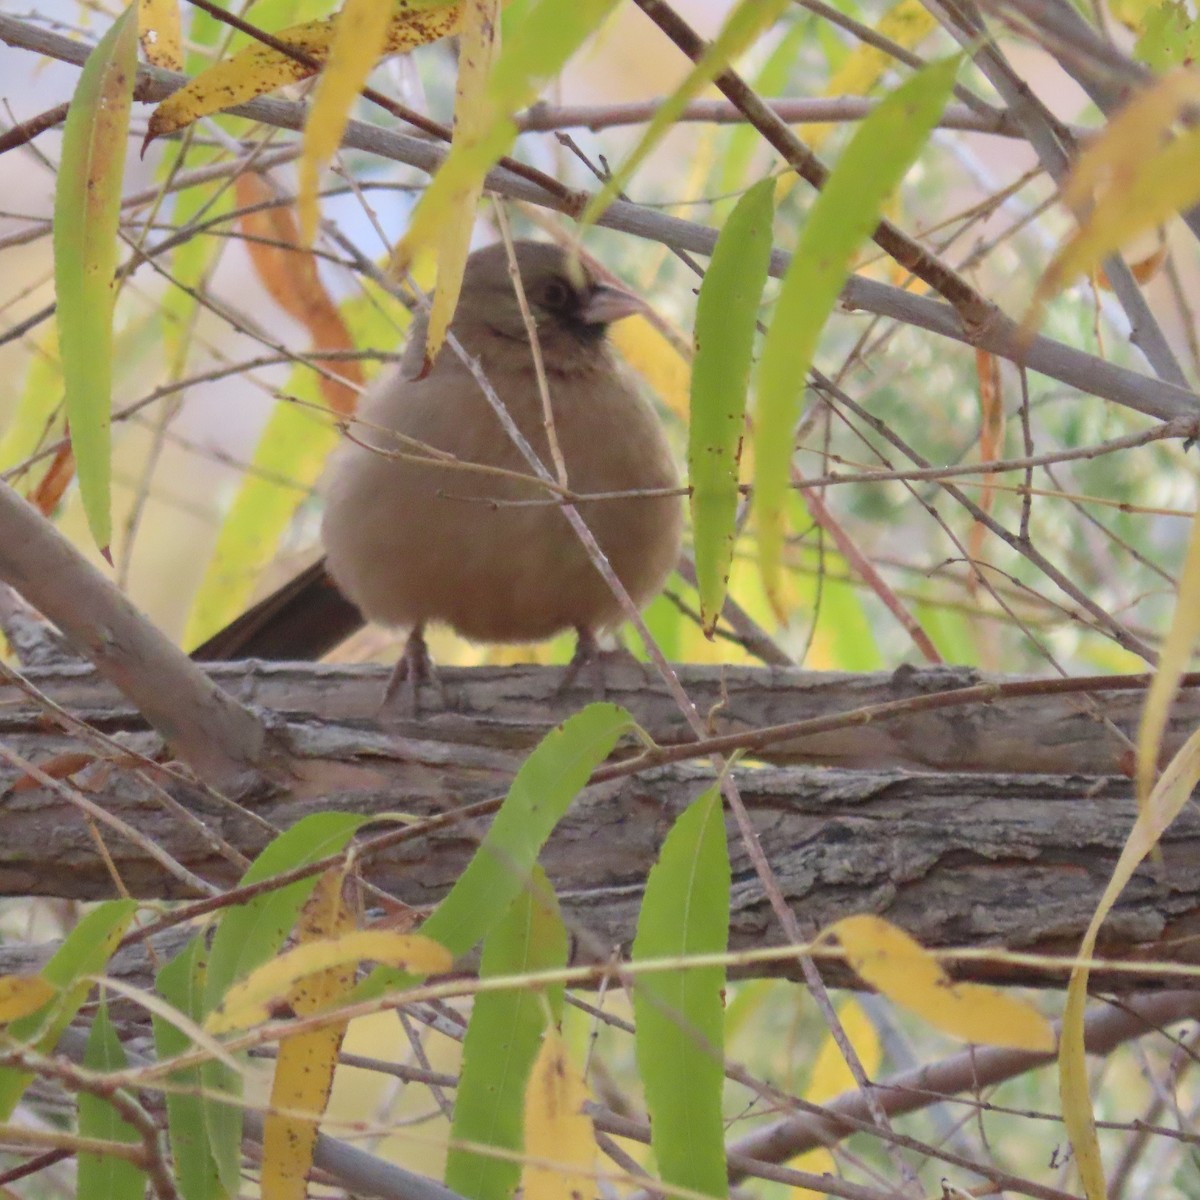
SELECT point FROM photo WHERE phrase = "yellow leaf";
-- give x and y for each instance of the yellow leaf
(259, 69)
(830, 1074)
(657, 360)
(250, 1002)
(21, 995)
(1133, 13)
(324, 918)
(306, 1062)
(1073, 1090)
(1163, 185)
(159, 33)
(889, 959)
(1170, 794)
(357, 43)
(478, 46)
(907, 24)
(556, 1128)
(815, 1162)
(1131, 178)
(1132, 137)
(1173, 661)
(830, 1077)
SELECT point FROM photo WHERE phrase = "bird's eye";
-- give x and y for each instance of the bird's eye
(558, 295)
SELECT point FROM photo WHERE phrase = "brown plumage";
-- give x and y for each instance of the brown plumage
(412, 543)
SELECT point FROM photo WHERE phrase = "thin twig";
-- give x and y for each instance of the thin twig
(999, 334)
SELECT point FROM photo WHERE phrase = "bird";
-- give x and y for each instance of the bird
(432, 514)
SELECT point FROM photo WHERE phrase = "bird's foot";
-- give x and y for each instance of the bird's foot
(594, 667)
(401, 696)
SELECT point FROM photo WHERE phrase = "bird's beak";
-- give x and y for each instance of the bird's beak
(606, 303)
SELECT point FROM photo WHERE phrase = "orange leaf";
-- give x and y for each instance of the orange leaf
(1143, 269)
(991, 441)
(289, 273)
(49, 491)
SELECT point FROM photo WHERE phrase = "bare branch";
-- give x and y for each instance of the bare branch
(998, 333)
(970, 1071)
(223, 742)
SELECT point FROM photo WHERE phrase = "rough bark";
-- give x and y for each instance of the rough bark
(983, 858)
(510, 708)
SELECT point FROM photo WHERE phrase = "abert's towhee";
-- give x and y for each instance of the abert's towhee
(413, 539)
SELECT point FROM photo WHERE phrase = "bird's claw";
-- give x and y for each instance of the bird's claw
(597, 664)
(401, 696)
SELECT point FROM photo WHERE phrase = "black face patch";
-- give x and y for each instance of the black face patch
(564, 303)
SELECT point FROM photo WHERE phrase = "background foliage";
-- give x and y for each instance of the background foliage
(234, 355)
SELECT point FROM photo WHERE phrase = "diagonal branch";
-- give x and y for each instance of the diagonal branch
(223, 742)
(1054, 145)
(971, 1070)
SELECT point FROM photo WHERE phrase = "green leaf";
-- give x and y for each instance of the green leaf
(194, 261)
(679, 1012)
(549, 779)
(844, 630)
(726, 314)
(181, 984)
(87, 207)
(665, 622)
(1169, 38)
(882, 149)
(84, 951)
(502, 1042)
(33, 415)
(739, 32)
(103, 1174)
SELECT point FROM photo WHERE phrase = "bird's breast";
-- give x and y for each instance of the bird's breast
(477, 542)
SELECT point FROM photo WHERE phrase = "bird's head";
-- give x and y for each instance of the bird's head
(565, 300)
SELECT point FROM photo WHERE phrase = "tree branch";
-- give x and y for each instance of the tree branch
(223, 742)
(972, 1070)
(999, 334)
(990, 859)
(934, 719)
(809, 110)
